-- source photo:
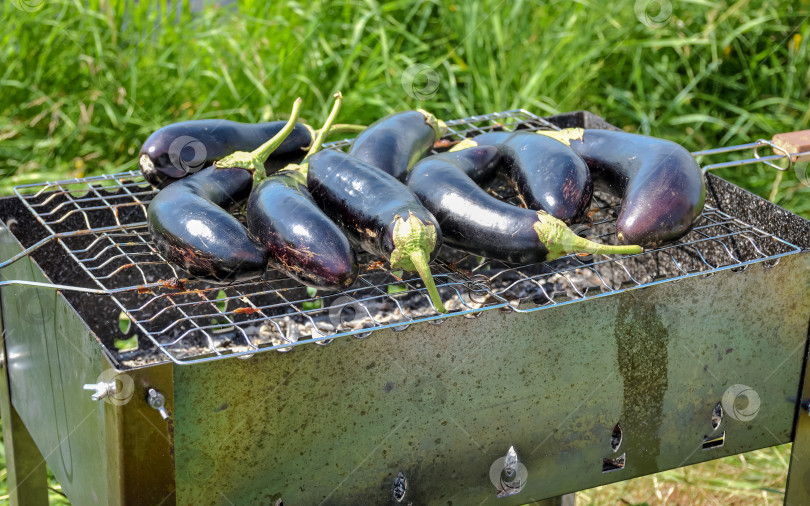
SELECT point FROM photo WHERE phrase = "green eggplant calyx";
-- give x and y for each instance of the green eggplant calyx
(561, 240)
(566, 135)
(438, 126)
(254, 161)
(466, 143)
(297, 172)
(414, 240)
(324, 131)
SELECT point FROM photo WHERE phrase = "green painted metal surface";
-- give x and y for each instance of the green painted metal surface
(49, 358)
(115, 451)
(26, 477)
(335, 424)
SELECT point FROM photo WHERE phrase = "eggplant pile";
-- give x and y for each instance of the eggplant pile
(387, 198)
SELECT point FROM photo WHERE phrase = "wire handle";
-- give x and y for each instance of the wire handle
(791, 146)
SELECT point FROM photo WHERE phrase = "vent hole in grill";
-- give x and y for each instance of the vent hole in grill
(619, 462)
(717, 415)
(712, 442)
(616, 438)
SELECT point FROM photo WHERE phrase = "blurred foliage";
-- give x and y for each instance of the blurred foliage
(84, 82)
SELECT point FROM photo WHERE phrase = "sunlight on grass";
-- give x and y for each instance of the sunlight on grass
(84, 83)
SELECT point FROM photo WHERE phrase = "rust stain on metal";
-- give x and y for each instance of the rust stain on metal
(641, 342)
(375, 265)
(442, 143)
(142, 290)
(245, 310)
(173, 283)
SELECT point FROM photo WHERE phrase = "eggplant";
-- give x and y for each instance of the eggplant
(378, 212)
(192, 228)
(548, 175)
(191, 225)
(659, 182)
(302, 241)
(395, 143)
(474, 221)
(180, 149)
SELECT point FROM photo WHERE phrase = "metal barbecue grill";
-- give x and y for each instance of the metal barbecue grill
(732, 294)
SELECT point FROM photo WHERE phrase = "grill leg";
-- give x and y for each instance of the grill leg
(27, 475)
(797, 490)
(563, 500)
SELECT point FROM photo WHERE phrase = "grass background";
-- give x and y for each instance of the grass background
(84, 82)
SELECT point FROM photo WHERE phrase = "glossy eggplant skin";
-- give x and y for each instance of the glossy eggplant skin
(192, 228)
(548, 175)
(183, 148)
(395, 143)
(659, 182)
(365, 201)
(302, 241)
(471, 219)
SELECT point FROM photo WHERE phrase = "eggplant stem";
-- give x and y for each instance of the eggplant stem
(438, 126)
(339, 128)
(561, 240)
(420, 262)
(254, 161)
(326, 129)
(414, 240)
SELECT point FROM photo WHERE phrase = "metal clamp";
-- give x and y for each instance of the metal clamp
(157, 400)
(102, 389)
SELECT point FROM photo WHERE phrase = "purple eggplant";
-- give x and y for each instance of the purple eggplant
(659, 182)
(379, 213)
(192, 228)
(548, 175)
(191, 225)
(472, 220)
(302, 241)
(180, 149)
(395, 143)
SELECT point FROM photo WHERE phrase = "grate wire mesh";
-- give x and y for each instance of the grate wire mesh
(100, 222)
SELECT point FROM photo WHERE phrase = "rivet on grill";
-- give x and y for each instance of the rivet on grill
(508, 474)
(156, 400)
(400, 487)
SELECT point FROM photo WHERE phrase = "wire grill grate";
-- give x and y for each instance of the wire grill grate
(100, 222)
